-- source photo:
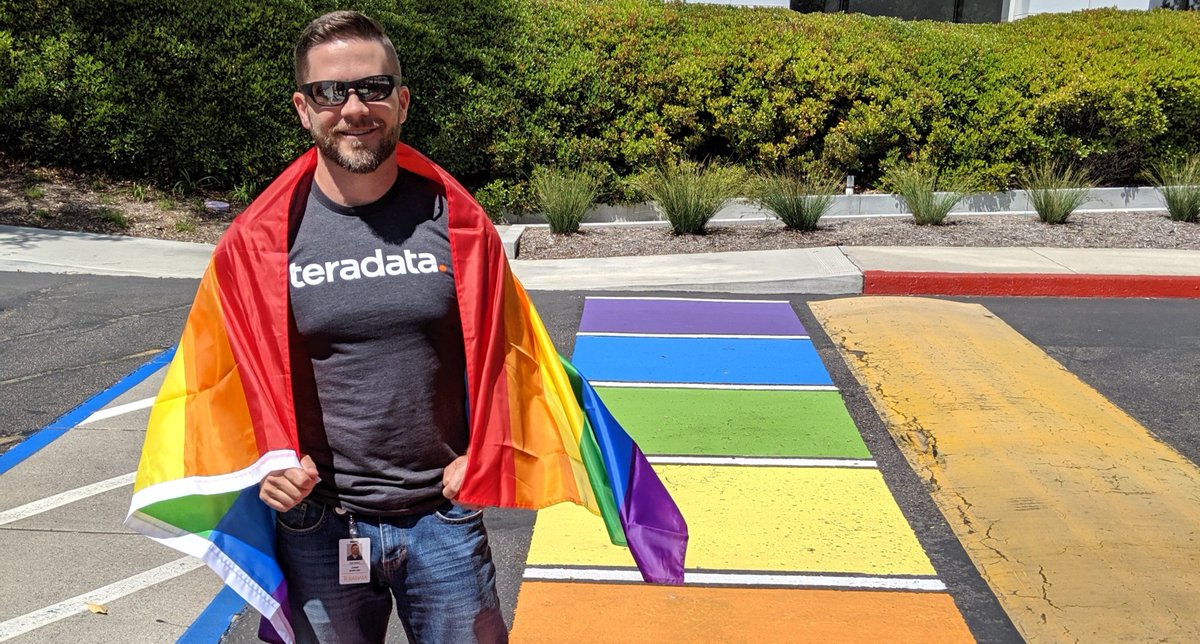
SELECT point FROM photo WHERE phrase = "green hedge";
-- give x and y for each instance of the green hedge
(631, 84)
(172, 91)
(180, 90)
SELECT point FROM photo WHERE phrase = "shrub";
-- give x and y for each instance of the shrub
(798, 203)
(160, 90)
(189, 186)
(503, 196)
(635, 84)
(917, 185)
(140, 192)
(688, 194)
(185, 225)
(1054, 191)
(1178, 184)
(36, 176)
(114, 217)
(564, 196)
(243, 193)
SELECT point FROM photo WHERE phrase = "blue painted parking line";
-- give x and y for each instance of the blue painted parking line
(211, 625)
(64, 423)
(738, 361)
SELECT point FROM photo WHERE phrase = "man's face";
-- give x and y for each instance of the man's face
(356, 136)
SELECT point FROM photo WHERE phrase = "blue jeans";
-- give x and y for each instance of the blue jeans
(437, 566)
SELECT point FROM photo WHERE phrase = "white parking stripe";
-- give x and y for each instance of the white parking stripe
(742, 579)
(144, 403)
(761, 461)
(112, 592)
(70, 496)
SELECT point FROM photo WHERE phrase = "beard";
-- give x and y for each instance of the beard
(359, 158)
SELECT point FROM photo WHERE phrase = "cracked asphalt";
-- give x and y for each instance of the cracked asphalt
(63, 338)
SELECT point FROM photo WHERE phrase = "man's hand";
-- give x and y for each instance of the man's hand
(283, 489)
(452, 477)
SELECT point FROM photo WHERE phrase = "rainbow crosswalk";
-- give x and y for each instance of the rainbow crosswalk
(794, 534)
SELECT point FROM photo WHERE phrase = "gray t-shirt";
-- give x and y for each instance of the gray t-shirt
(381, 394)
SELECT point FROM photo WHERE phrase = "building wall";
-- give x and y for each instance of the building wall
(1021, 8)
(972, 10)
(744, 3)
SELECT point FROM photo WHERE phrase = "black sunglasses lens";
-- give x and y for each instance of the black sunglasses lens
(375, 88)
(329, 93)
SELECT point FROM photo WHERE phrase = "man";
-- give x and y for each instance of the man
(319, 394)
(379, 388)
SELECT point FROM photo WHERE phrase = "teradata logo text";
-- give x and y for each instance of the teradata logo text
(377, 265)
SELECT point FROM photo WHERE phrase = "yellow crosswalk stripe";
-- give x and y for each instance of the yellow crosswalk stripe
(834, 520)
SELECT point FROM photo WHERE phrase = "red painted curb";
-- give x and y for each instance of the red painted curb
(1030, 284)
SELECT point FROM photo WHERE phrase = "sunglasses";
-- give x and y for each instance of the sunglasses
(330, 93)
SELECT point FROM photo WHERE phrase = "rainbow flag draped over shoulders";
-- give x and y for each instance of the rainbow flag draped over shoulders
(224, 416)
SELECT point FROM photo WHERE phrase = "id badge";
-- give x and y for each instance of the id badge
(354, 561)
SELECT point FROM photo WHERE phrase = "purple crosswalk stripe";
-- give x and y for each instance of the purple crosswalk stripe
(726, 317)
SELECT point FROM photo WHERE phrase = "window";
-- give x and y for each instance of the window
(946, 10)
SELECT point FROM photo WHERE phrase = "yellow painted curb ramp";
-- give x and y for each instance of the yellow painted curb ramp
(1085, 526)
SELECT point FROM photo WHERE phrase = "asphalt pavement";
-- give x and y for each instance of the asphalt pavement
(79, 312)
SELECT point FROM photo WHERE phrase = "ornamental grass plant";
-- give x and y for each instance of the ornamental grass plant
(689, 194)
(564, 196)
(1055, 191)
(920, 187)
(797, 202)
(1178, 184)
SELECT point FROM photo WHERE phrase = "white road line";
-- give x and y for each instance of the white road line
(701, 385)
(682, 299)
(730, 336)
(112, 592)
(741, 579)
(760, 461)
(144, 403)
(70, 496)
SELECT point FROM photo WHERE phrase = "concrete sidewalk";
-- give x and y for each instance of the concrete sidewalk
(1064, 272)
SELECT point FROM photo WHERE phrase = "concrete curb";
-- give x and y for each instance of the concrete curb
(1012, 202)
(510, 238)
(1030, 285)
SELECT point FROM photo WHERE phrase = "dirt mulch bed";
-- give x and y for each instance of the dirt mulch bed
(1083, 230)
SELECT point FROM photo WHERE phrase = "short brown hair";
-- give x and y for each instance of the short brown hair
(339, 25)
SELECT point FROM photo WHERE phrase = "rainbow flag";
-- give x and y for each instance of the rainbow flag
(224, 417)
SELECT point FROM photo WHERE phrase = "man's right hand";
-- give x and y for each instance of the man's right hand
(283, 489)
